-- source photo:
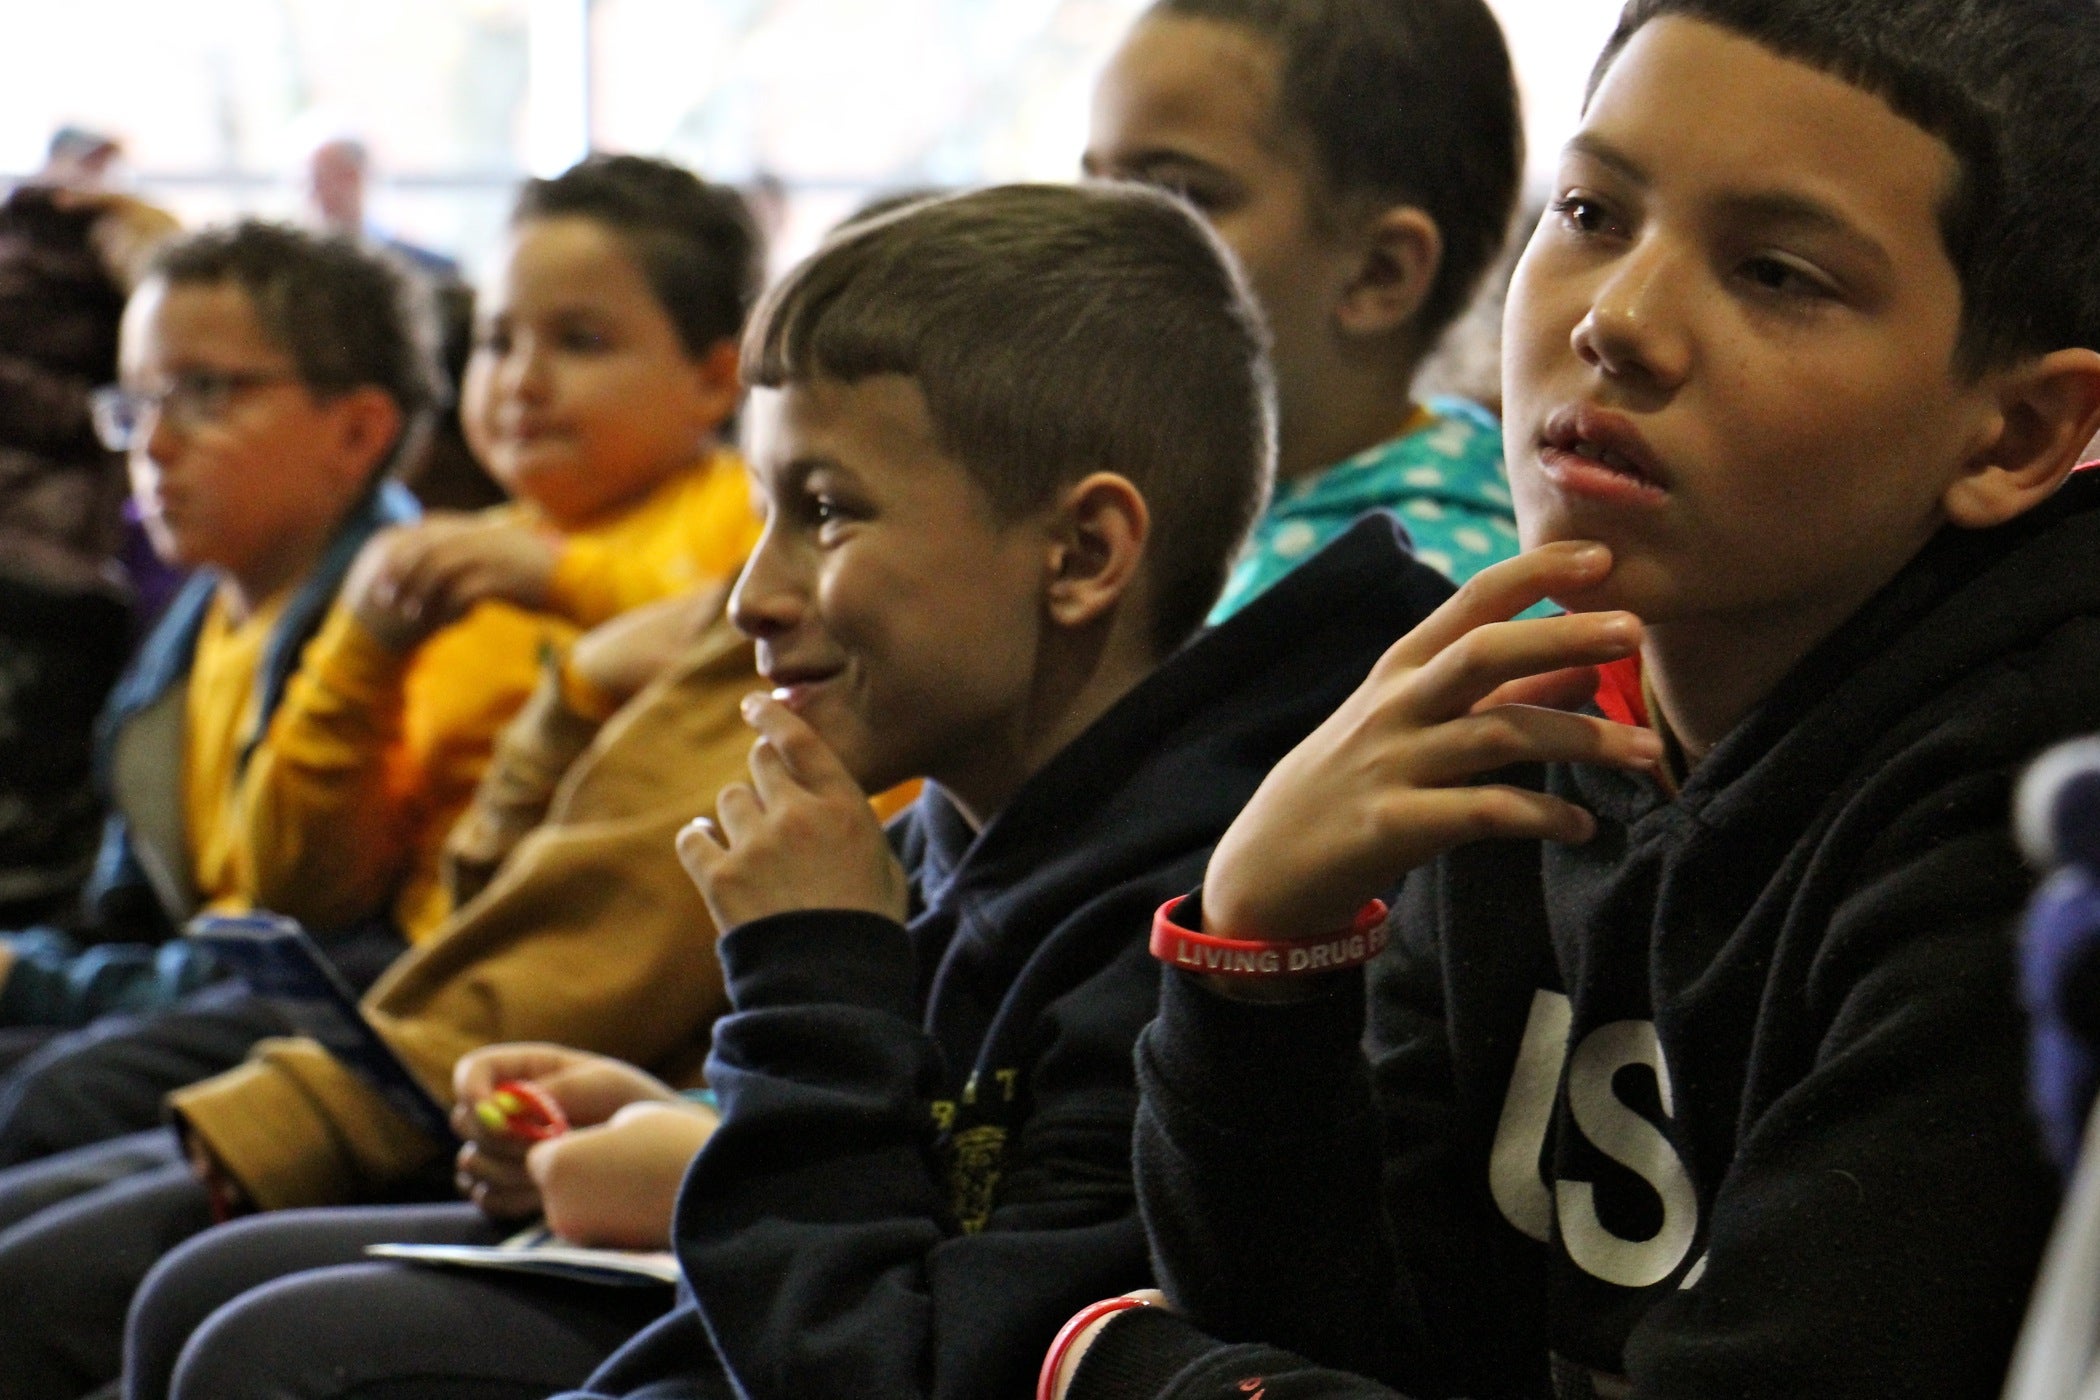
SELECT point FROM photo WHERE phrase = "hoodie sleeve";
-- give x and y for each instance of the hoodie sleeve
(821, 1229)
(1872, 1231)
(1259, 1161)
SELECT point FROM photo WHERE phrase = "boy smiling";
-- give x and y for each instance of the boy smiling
(1009, 444)
(1695, 1070)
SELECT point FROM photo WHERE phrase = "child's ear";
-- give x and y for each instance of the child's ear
(717, 385)
(1402, 250)
(368, 424)
(2049, 410)
(1097, 543)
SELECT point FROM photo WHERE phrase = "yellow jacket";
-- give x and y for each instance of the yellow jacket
(373, 755)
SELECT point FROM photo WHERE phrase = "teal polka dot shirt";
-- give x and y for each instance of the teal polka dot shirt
(1444, 480)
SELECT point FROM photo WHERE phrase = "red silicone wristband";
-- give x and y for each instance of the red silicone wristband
(1194, 951)
(1046, 1383)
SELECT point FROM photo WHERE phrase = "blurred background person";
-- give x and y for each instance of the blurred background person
(338, 172)
(69, 248)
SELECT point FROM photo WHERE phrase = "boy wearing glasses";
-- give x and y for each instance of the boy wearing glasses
(269, 377)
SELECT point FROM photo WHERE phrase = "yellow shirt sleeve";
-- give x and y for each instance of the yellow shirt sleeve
(317, 822)
(696, 528)
(372, 756)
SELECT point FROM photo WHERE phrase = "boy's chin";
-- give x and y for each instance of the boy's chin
(1619, 590)
(869, 777)
(1635, 585)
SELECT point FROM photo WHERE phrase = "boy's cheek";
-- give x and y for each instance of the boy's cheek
(1538, 523)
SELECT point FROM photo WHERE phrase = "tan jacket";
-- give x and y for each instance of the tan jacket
(589, 935)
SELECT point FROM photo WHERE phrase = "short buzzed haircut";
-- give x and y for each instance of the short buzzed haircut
(694, 241)
(1055, 331)
(2010, 86)
(1409, 101)
(347, 316)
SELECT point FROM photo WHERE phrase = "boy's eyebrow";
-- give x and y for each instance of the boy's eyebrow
(1780, 207)
(1584, 143)
(1765, 207)
(1146, 161)
(794, 474)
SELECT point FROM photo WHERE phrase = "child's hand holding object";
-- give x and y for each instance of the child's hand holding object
(591, 1142)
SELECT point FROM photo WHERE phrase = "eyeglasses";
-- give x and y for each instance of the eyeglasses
(192, 399)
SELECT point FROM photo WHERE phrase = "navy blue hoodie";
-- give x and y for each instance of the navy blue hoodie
(1728, 1101)
(924, 1160)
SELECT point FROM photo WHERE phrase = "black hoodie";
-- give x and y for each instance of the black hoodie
(924, 1161)
(1726, 1102)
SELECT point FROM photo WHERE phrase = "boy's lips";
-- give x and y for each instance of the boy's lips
(794, 686)
(526, 428)
(1596, 453)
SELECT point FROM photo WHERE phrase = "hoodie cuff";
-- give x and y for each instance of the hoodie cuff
(296, 1128)
(840, 957)
(1138, 1355)
(1251, 1066)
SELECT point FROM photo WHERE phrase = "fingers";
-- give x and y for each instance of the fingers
(771, 779)
(799, 749)
(1454, 681)
(1570, 689)
(701, 846)
(425, 561)
(789, 759)
(1481, 743)
(1501, 591)
(617, 1185)
(478, 1072)
(738, 814)
(596, 1089)
(1443, 818)
(501, 1187)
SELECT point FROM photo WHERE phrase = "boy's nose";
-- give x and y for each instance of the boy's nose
(1633, 330)
(162, 437)
(524, 371)
(767, 600)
